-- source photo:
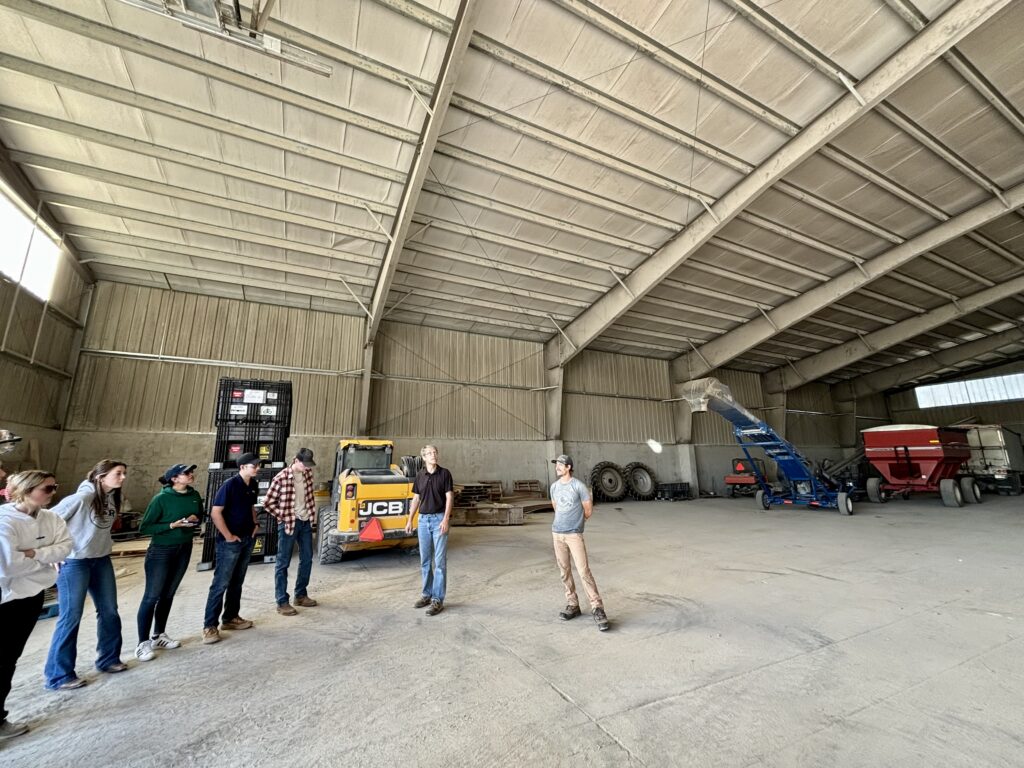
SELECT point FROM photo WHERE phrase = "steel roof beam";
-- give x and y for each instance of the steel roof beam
(721, 350)
(208, 254)
(954, 25)
(193, 196)
(455, 54)
(129, 98)
(904, 373)
(156, 152)
(94, 30)
(824, 363)
(917, 20)
(190, 225)
(143, 265)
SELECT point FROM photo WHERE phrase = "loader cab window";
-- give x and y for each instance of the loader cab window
(367, 457)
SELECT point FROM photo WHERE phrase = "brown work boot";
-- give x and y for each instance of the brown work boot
(305, 601)
(601, 619)
(286, 610)
(236, 623)
(210, 635)
(436, 606)
(422, 602)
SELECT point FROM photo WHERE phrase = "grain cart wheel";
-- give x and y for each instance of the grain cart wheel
(970, 490)
(951, 494)
(845, 503)
(875, 493)
(640, 480)
(762, 500)
(326, 521)
(607, 480)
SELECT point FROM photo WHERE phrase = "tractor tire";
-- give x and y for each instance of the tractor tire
(408, 465)
(875, 493)
(607, 482)
(641, 481)
(971, 490)
(327, 520)
(762, 500)
(845, 503)
(951, 494)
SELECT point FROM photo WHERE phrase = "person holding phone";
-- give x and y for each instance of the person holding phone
(171, 519)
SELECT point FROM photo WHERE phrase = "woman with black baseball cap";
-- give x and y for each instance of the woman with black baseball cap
(171, 518)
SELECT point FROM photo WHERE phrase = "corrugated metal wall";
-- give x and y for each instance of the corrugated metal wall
(125, 394)
(32, 394)
(811, 420)
(616, 399)
(710, 428)
(415, 400)
(131, 318)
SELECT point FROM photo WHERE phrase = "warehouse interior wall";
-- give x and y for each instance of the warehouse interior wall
(38, 354)
(150, 360)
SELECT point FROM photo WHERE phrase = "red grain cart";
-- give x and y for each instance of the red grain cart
(913, 458)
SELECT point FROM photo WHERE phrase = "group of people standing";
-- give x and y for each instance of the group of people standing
(71, 545)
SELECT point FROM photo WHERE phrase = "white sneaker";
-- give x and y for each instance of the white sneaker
(163, 641)
(144, 651)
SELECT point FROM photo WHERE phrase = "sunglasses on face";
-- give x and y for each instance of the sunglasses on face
(51, 488)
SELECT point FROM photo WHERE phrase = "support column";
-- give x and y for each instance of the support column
(686, 454)
(363, 422)
(553, 378)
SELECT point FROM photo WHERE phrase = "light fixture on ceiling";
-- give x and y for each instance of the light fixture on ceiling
(223, 20)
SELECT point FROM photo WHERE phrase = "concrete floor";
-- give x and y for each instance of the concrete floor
(789, 638)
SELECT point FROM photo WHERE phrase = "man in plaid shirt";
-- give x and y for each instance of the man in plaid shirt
(290, 500)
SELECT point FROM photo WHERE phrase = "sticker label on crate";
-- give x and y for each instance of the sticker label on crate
(239, 409)
(264, 451)
(271, 395)
(378, 508)
(268, 410)
(257, 546)
(255, 396)
(237, 394)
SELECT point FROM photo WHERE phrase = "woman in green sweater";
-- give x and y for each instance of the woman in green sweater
(171, 519)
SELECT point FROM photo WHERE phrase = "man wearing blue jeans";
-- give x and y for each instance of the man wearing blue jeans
(433, 494)
(234, 515)
(290, 499)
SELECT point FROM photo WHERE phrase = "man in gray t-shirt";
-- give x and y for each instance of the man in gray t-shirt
(573, 507)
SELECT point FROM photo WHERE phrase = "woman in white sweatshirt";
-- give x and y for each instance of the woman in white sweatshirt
(32, 540)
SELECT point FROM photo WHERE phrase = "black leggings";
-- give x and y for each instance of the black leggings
(165, 568)
(18, 619)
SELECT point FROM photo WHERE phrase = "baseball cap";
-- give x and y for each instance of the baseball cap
(563, 459)
(248, 458)
(177, 469)
(305, 455)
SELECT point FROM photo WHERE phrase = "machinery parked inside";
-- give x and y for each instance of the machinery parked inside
(997, 458)
(803, 485)
(370, 499)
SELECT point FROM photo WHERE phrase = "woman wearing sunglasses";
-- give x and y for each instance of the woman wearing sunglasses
(32, 540)
(89, 513)
(171, 519)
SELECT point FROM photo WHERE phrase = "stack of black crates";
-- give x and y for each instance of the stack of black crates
(251, 416)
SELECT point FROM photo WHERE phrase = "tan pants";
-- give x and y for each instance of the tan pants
(571, 545)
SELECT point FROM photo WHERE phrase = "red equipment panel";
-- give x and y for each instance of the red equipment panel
(914, 456)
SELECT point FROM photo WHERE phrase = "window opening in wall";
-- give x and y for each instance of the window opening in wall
(20, 235)
(993, 389)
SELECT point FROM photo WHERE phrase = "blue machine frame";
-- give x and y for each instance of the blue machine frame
(805, 487)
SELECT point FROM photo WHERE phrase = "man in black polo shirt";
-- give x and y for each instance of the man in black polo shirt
(234, 515)
(433, 494)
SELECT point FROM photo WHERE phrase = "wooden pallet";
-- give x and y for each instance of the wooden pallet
(528, 488)
(488, 514)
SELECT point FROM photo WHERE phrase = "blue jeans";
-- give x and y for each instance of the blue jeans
(433, 556)
(303, 533)
(165, 568)
(94, 575)
(228, 577)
